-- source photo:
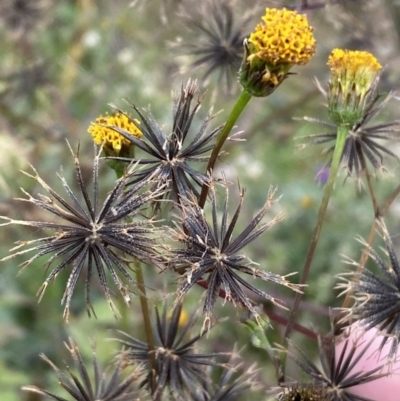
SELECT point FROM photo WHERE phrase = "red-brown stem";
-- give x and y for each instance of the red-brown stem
(272, 315)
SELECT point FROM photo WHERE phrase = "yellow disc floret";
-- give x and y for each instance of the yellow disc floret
(352, 76)
(350, 67)
(104, 135)
(283, 38)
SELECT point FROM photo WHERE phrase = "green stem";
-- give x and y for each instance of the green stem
(120, 170)
(371, 190)
(147, 323)
(241, 103)
(335, 164)
(372, 234)
(123, 310)
(363, 260)
(124, 318)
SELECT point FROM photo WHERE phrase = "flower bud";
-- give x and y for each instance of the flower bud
(353, 74)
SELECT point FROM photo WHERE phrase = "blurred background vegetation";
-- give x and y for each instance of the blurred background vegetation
(62, 62)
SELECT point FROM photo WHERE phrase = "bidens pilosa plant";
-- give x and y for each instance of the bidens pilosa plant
(211, 292)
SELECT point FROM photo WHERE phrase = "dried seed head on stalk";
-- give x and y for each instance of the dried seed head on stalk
(213, 40)
(88, 236)
(168, 155)
(211, 253)
(338, 373)
(104, 387)
(353, 100)
(236, 381)
(376, 296)
(179, 367)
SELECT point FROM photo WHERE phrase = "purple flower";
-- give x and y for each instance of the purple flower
(322, 174)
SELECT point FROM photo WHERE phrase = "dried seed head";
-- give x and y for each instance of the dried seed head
(376, 296)
(88, 236)
(178, 366)
(105, 386)
(168, 154)
(211, 253)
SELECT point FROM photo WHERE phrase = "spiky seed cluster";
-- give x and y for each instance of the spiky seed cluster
(377, 296)
(211, 256)
(339, 374)
(216, 31)
(353, 68)
(89, 236)
(104, 387)
(236, 382)
(351, 86)
(169, 154)
(178, 367)
(104, 134)
(284, 39)
(305, 392)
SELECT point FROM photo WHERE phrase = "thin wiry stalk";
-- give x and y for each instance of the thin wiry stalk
(339, 145)
(147, 324)
(240, 105)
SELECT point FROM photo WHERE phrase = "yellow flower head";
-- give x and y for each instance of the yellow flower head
(112, 141)
(282, 40)
(352, 76)
(353, 67)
